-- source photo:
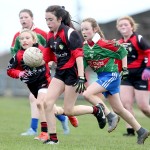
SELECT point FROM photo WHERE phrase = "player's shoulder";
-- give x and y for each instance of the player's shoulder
(41, 47)
(16, 34)
(40, 31)
(49, 35)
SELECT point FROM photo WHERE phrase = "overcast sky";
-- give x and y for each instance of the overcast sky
(102, 10)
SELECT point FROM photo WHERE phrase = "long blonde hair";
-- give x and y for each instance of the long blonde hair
(134, 25)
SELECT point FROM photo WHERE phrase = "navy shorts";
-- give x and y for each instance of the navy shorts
(36, 86)
(134, 79)
(68, 76)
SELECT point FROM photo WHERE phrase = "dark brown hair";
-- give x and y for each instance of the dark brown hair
(60, 12)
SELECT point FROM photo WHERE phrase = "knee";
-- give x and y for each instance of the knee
(86, 95)
(68, 112)
(146, 111)
(127, 106)
(118, 110)
(39, 105)
(48, 105)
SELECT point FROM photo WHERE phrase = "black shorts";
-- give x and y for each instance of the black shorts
(134, 79)
(68, 76)
(36, 86)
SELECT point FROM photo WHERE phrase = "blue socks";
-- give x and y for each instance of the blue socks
(34, 124)
(61, 117)
(34, 121)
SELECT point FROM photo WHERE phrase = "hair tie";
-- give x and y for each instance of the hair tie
(63, 7)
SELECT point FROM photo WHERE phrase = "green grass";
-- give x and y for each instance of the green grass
(15, 118)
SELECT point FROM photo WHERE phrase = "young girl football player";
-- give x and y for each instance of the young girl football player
(100, 55)
(134, 86)
(37, 79)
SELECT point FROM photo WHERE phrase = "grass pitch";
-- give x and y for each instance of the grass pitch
(15, 119)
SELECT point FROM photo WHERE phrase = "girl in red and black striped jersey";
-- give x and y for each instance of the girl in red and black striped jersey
(37, 78)
(26, 19)
(137, 85)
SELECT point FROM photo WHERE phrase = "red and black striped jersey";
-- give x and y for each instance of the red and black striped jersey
(138, 51)
(66, 46)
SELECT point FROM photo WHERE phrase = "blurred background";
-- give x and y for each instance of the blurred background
(105, 12)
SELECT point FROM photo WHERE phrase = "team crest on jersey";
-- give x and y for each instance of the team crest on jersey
(130, 49)
(61, 46)
(127, 46)
(91, 55)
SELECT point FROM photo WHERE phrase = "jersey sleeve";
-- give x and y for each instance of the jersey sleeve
(48, 55)
(15, 45)
(122, 51)
(145, 46)
(113, 49)
(12, 70)
(75, 44)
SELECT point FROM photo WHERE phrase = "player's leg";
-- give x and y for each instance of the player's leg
(94, 98)
(117, 106)
(64, 122)
(142, 99)
(34, 117)
(51, 120)
(57, 86)
(43, 136)
(127, 97)
(71, 109)
(73, 120)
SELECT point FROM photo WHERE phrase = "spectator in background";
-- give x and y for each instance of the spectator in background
(136, 86)
(26, 21)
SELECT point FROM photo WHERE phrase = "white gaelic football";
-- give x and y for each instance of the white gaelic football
(33, 57)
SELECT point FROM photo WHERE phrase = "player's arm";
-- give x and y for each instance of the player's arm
(77, 52)
(52, 65)
(48, 55)
(15, 46)
(124, 73)
(124, 62)
(145, 46)
(12, 69)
